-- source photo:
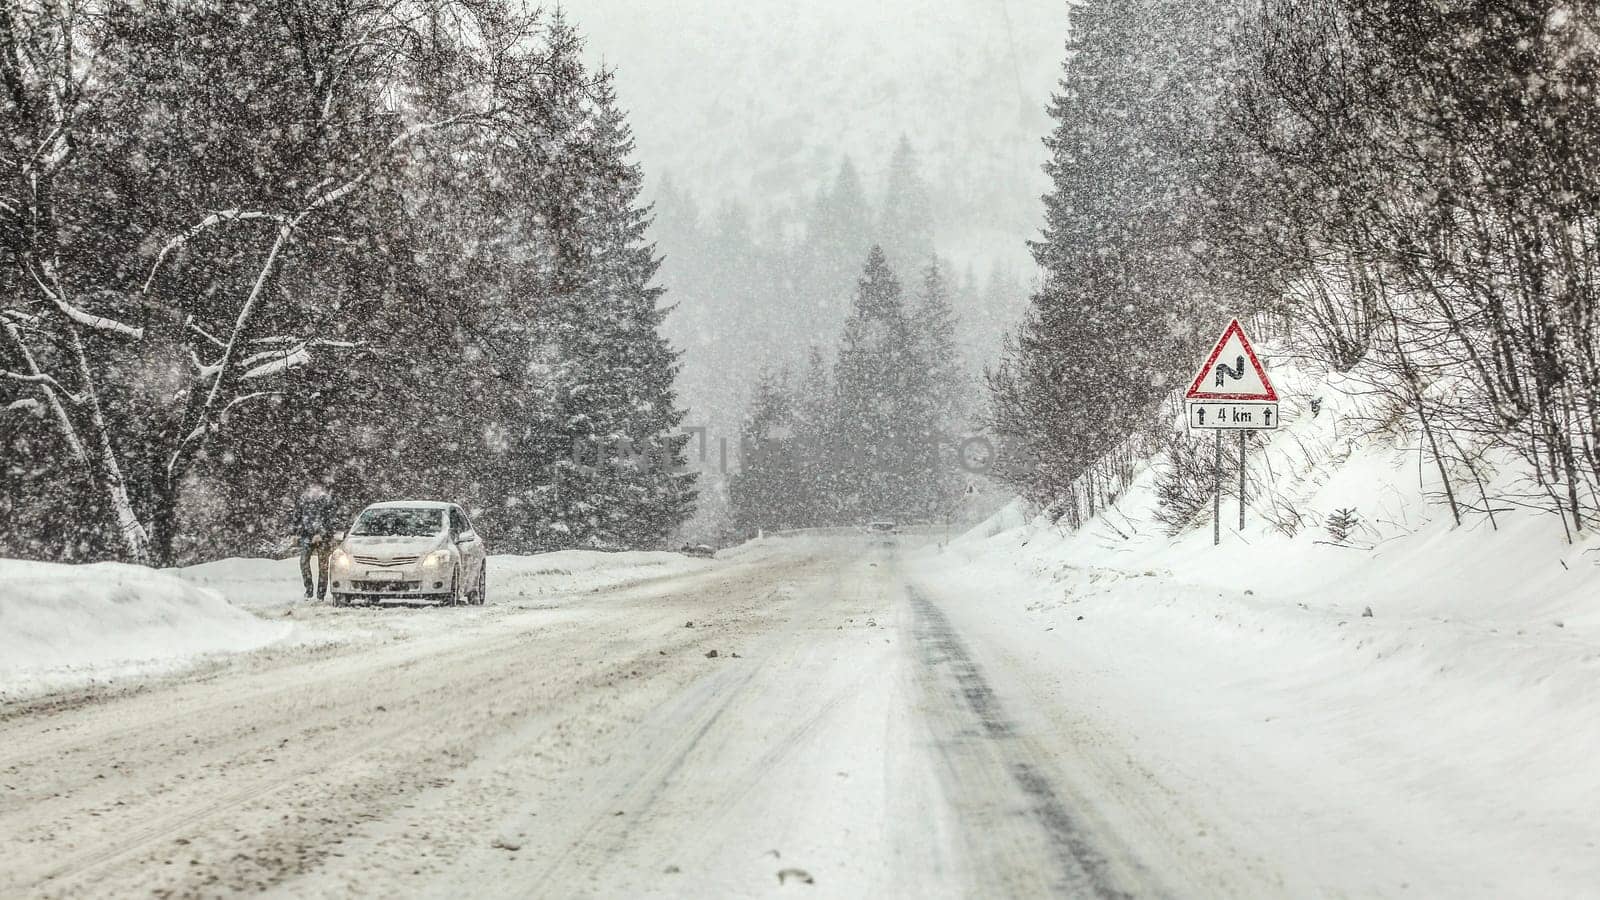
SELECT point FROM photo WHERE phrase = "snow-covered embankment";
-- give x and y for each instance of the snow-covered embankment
(63, 625)
(67, 626)
(1398, 702)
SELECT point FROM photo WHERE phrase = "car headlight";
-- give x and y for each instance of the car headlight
(341, 557)
(437, 559)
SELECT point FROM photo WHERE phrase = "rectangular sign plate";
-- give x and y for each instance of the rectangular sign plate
(1234, 414)
(384, 575)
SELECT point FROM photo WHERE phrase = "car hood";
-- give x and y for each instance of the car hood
(390, 547)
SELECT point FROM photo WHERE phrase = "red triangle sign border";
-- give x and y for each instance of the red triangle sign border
(1233, 328)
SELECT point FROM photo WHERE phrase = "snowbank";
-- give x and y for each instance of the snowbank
(1404, 557)
(1010, 517)
(62, 625)
(1415, 676)
(254, 584)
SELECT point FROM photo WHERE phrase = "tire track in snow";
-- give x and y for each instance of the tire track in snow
(639, 784)
(983, 756)
(193, 818)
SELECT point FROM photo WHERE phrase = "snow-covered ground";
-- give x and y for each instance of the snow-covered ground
(67, 627)
(64, 626)
(1412, 709)
(989, 718)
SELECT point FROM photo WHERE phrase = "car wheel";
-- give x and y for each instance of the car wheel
(481, 595)
(341, 599)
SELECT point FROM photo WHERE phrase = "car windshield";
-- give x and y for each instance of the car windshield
(399, 522)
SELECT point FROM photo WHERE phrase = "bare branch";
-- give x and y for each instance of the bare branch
(86, 319)
(43, 379)
(194, 326)
(69, 431)
(206, 224)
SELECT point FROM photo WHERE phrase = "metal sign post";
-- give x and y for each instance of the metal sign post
(1216, 500)
(1241, 478)
(1231, 392)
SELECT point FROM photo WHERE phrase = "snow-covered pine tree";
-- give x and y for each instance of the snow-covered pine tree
(442, 322)
(950, 387)
(1127, 280)
(816, 428)
(906, 219)
(934, 327)
(456, 334)
(606, 458)
(763, 491)
(884, 418)
(656, 494)
(838, 234)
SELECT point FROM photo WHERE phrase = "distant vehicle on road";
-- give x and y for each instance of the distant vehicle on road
(410, 550)
(884, 527)
(700, 550)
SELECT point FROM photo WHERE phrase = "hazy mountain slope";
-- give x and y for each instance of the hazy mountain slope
(757, 101)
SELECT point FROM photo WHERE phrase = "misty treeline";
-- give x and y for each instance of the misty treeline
(877, 434)
(1405, 191)
(760, 292)
(393, 247)
(757, 290)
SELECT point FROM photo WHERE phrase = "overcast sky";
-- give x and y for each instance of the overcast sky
(759, 99)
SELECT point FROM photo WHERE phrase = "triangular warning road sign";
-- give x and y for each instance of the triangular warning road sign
(1232, 371)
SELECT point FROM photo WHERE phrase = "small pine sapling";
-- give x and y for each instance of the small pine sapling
(1341, 524)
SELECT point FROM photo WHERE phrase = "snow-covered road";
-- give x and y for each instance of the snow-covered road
(842, 741)
(875, 722)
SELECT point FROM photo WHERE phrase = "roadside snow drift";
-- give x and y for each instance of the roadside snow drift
(62, 624)
(1413, 699)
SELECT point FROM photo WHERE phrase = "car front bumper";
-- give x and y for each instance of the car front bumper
(409, 583)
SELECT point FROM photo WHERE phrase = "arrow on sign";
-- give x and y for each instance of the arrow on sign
(1232, 371)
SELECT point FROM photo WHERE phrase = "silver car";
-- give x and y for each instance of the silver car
(410, 550)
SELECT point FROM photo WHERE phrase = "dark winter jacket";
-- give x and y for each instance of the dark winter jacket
(315, 516)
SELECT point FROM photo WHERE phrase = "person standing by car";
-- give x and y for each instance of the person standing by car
(315, 520)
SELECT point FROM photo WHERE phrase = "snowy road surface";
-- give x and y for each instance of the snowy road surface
(864, 730)
(586, 746)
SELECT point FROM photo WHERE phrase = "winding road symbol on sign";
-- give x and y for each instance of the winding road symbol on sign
(1244, 380)
(1224, 372)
